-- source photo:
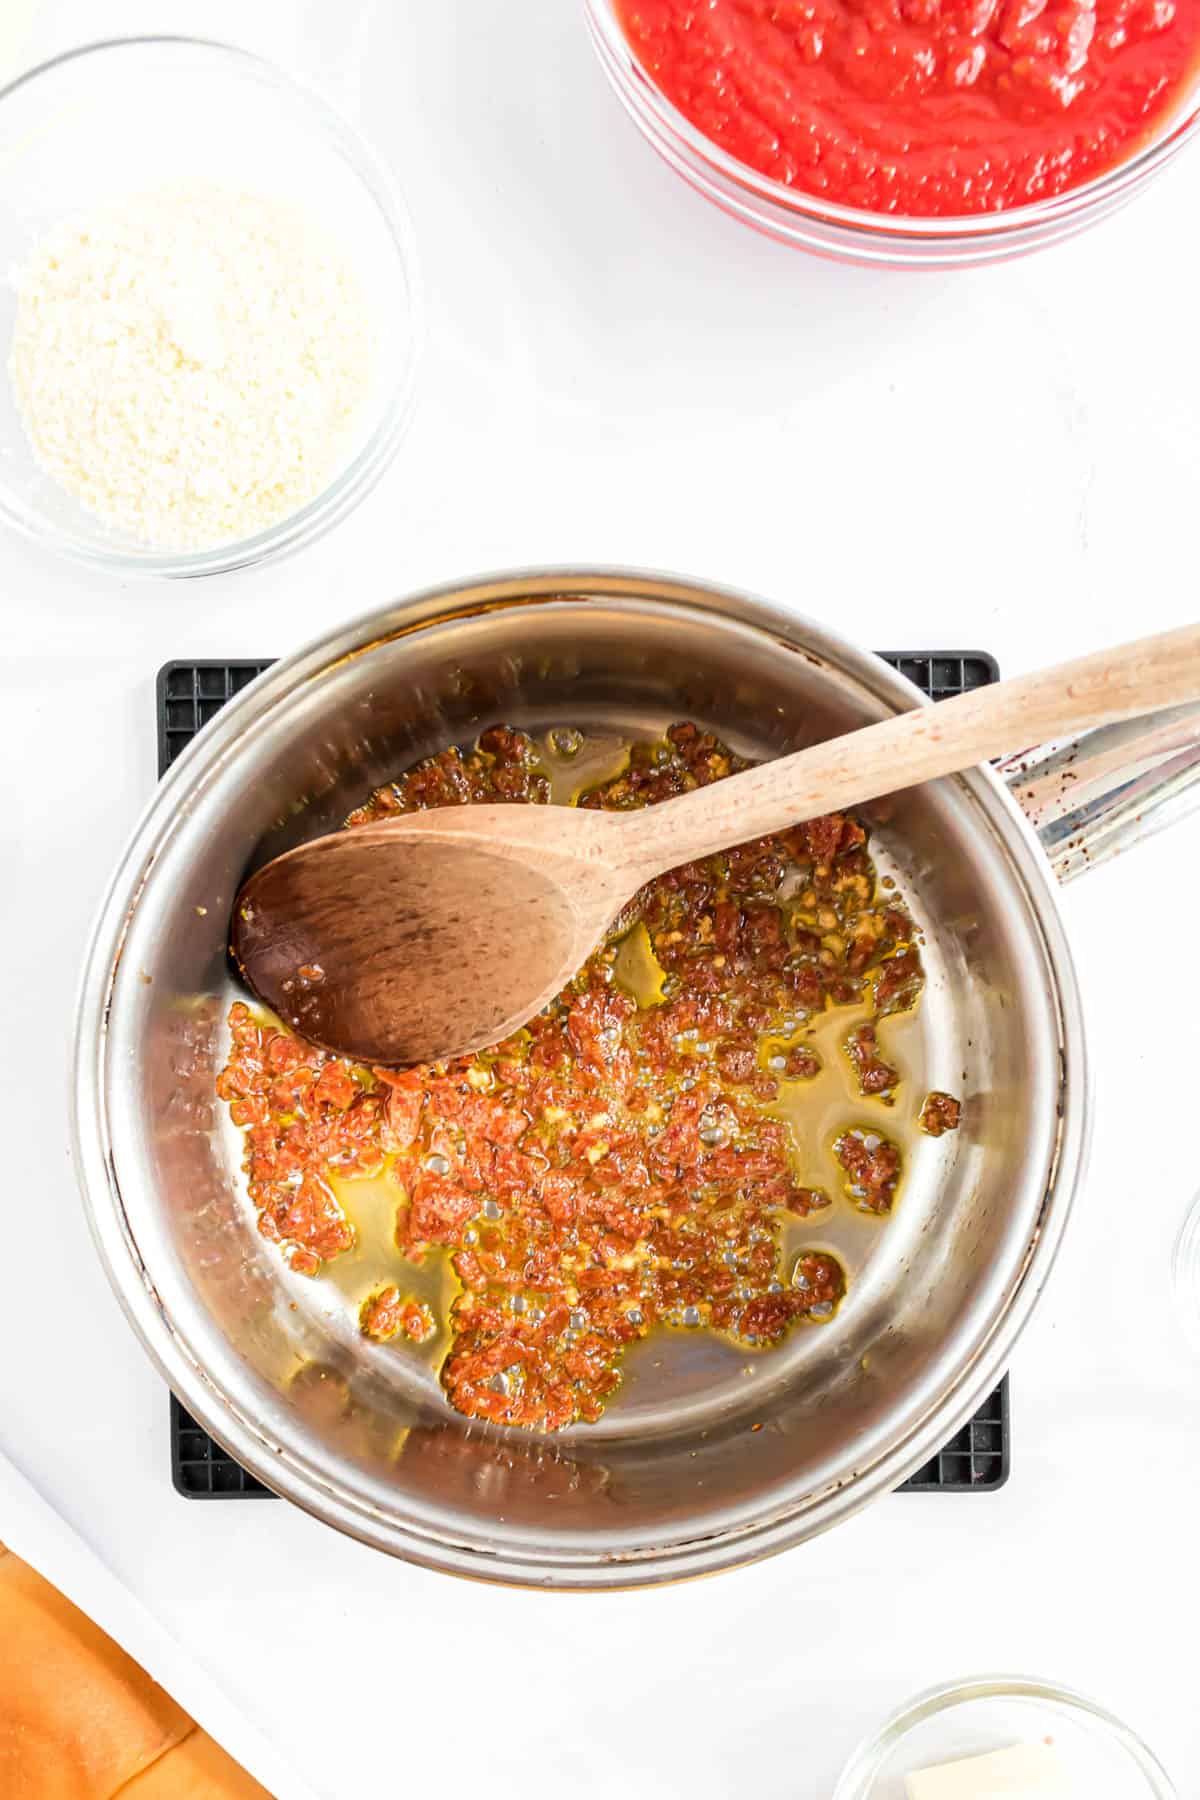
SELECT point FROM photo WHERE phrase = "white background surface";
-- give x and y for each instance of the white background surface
(1004, 459)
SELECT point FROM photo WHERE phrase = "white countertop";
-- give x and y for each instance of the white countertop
(1005, 460)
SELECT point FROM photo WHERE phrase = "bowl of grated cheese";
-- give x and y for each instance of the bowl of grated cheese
(210, 321)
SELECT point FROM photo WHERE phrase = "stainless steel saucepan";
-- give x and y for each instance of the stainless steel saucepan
(673, 1481)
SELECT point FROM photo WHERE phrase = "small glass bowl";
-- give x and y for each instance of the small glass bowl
(113, 119)
(849, 234)
(990, 1712)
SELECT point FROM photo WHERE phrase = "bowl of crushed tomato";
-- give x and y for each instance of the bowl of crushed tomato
(909, 132)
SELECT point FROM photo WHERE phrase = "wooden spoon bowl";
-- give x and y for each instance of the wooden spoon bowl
(481, 913)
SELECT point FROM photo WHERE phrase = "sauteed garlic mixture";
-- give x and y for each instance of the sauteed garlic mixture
(627, 1161)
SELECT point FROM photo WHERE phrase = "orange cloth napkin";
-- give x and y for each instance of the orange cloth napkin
(79, 1720)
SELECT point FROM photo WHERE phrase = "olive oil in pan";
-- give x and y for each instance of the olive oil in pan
(636, 968)
(575, 761)
(374, 1261)
(816, 1112)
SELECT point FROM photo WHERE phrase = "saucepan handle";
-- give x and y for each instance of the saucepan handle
(1092, 796)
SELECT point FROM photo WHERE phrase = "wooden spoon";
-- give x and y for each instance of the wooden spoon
(436, 933)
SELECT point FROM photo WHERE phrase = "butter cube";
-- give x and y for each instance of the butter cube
(1025, 1772)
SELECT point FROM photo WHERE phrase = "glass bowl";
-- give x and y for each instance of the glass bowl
(990, 1712)
(113, 119)
(848, 234)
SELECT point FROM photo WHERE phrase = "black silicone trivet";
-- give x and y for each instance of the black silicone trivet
(976, 1460)
(190, 694)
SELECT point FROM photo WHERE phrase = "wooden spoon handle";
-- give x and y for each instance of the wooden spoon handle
(917, 746)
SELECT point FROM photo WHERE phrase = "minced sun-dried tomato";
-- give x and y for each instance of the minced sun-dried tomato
(613, 1167)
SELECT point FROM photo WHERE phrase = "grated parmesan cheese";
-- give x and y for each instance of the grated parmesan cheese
(189, 364)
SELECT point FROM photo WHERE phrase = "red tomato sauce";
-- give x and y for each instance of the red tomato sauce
(923, 108)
